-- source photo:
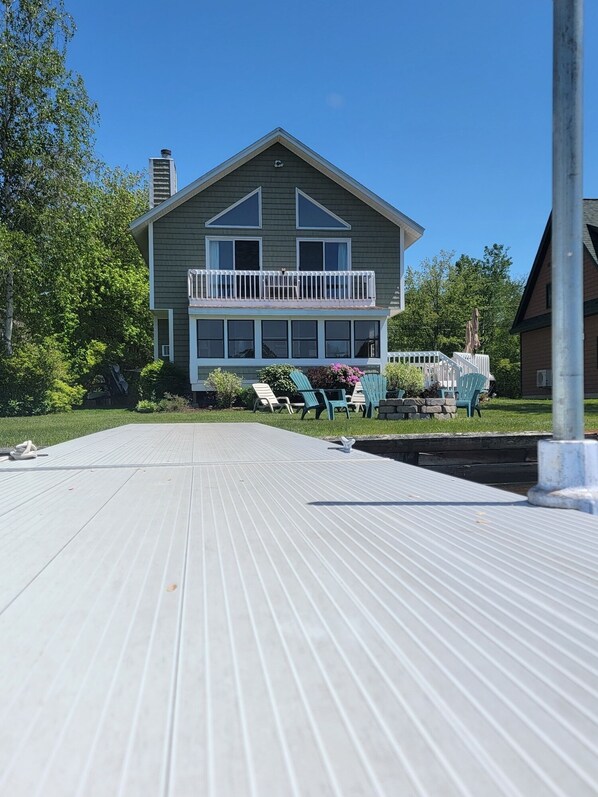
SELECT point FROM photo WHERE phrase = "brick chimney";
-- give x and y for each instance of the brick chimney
(162, 178)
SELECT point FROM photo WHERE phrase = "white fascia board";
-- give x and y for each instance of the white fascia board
(413, 230)
(150, 258)
(282, 312)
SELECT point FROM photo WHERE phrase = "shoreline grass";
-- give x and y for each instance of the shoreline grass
(498, 415)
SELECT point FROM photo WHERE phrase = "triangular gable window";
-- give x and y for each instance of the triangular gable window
(313, 216)
(246, 213)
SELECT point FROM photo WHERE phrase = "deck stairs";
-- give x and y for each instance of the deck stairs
(439, 367)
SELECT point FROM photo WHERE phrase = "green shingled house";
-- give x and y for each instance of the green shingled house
(273, 256)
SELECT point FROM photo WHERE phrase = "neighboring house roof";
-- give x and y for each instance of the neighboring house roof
(413, 231)
(590, 241)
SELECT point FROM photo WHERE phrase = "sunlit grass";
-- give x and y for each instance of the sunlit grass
(498, 415)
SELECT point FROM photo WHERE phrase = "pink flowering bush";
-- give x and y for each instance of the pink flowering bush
(336, 375)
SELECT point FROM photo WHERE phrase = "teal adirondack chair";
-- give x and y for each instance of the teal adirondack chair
(468, 391)
(374, 389)
(317, 398)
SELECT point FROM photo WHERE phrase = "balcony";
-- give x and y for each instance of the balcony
(212, 288)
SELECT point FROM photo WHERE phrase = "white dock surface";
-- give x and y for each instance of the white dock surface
(231, 610)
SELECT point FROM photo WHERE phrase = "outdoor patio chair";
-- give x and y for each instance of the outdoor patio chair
(469, 387)
(266, 399)
(318, 399)
(357, 400)
(374, 389)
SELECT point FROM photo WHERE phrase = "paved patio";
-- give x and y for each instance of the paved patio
(229, 610)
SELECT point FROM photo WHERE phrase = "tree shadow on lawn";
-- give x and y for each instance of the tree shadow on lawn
(536, 407)
(540, 407)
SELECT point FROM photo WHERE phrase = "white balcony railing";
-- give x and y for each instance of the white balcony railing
(282, 288)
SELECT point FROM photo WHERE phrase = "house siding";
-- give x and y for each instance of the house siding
(163, 337)
(536, 345)
(537, 302)
(179, 237)
(536, 354)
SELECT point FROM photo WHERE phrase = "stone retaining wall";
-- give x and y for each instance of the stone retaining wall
(406, 409)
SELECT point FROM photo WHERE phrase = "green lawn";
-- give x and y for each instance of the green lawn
(499, 415)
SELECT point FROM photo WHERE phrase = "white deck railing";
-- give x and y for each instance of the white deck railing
(435, 366)
(286, 288)
(438, 367)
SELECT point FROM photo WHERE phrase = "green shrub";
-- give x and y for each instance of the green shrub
(172, 403)
(279, 379)
(404, 376)
(507, 376)
(145, 405)
(36, 380)
(227, 386)
(246, 398)
(62, 397)
(160, 377)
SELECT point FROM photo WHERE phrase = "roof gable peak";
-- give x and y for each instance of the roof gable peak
(413, 231)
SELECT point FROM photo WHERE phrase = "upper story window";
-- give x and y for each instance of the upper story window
(247, 213)
(549, 295)
(311, 215)
(322, 255)
(236, 254)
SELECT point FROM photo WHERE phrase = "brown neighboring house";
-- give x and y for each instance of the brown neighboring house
(533, 319)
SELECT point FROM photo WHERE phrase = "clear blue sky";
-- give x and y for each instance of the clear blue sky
(442, 108)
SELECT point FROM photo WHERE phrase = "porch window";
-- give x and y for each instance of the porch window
(366, 338)
(275, 340)
(305, 339)
(241, 339)
(323, 255)
(338, 339)
(210, 338)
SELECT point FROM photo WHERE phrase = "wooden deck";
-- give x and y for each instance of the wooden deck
(230, 610)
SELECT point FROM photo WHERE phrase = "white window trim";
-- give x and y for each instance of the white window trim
(325, 241)
(230, 238)
(211, 222)
(298, 191)
(299, 362)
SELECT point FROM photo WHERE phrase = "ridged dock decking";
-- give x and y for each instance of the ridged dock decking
(229, 610)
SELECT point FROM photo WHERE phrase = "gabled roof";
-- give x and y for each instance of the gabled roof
(413, 231)
(590, 241)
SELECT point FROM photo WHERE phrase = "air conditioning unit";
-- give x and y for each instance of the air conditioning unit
(544, 378)
(165, 350)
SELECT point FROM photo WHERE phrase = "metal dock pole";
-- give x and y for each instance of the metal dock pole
(567, 464)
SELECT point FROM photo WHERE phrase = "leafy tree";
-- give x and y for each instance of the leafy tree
(427, 323)
(441, 296)
(98, 291)
(46, 129)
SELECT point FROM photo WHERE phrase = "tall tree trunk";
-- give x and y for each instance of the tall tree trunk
(9, 313)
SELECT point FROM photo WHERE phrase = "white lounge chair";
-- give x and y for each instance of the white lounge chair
(357, 400)
(266, 399)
